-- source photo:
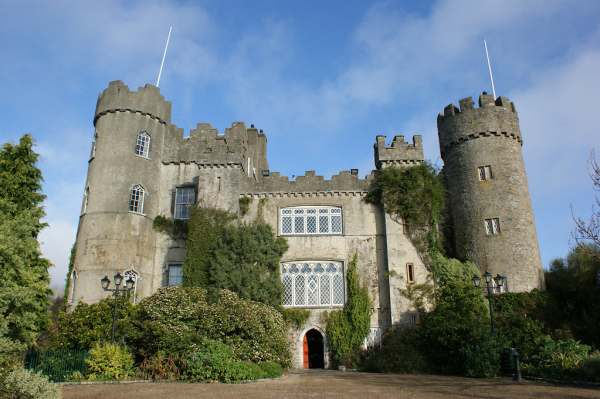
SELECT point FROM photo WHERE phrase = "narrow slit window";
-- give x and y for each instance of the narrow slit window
(410, 273)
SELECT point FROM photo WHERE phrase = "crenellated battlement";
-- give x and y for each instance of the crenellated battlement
(493, 118)
(400, 152)
(486, 100)
(146, 100)
(311, 182)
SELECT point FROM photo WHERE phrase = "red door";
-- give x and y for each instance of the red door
(305, 352)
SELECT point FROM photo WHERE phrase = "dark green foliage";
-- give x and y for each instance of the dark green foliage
(243, 258)
(177, 319)
(416, 195)
(295, 317)
(244, 203)
(559, 359)
(88, 324)
(456, 335)
(24, 275)
(69, 273)
(347, 328)
(11, 355)
(57, 365)
(400, 352)
(574, 292)
(174, 228)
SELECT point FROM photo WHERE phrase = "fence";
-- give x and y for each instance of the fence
(57, 365)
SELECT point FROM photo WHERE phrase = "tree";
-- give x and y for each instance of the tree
(24, 278)
(224, 254)
(588, 231)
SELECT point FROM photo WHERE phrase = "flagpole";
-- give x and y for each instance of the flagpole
(487, 56)
(162, 63)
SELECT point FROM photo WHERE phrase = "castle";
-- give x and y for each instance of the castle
(142, 166)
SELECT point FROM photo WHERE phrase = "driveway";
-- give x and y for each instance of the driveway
(334, 385)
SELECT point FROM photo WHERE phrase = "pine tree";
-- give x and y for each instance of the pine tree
(24, 278)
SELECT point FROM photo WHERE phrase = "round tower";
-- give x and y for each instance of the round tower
(488, 195)
(115, 232)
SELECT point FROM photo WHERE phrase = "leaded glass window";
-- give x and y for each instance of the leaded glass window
(310, 220)
(142, 144)
(185, 197)
(313, 284)
(136, 199)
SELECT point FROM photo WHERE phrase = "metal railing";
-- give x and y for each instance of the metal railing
(57, 365)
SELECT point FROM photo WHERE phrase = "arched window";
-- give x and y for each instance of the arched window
(73, 285)
(142, 144)
(136, 200)
(313, 284)
(310, 220)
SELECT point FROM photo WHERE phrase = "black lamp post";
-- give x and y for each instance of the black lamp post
(118, 290)
(489, 280)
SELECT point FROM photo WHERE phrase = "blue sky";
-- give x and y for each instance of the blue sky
(322, 78)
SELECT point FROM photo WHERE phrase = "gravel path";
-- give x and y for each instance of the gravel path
(334, 385)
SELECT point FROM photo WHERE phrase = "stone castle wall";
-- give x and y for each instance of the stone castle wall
(490, 136)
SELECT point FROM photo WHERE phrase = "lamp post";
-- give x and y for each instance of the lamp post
(489, 280)
(118, 290)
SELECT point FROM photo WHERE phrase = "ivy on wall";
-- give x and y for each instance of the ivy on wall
(348, 328)
(223, 253)
(416, 195)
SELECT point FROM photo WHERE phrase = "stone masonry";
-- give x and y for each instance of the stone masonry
(223, 169)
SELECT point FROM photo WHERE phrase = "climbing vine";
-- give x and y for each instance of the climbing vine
(416, 196)
(223, 253)
(176, 229)
(244, 203)
(348, 328)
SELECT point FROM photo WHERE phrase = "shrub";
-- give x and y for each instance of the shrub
(215, 361)
(110, 362)
(270, 369)
(162, 366)
(23, 384)
(399, 352)
(558, 359)
(590, 370)
(88, 324)
(348, 328)
(177, 319)
(11, 355)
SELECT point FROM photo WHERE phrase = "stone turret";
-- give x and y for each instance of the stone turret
(489, 201)
(400, 153)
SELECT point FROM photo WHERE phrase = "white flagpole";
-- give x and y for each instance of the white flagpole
(489, 68)
(162, 63)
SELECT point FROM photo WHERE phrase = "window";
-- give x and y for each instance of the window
(311, 220)
(410, 273)
(175, 274)
(136, 200)
(73, 286)
(93, 150)
(86, 195)
(485, 172)
(185, 197)
(492, 226)
(142, 144)
(313, 284)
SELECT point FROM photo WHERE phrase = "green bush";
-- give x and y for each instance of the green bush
(24, 384)
(590, 369)
(11, 355)
(215, 361)
(270, 369)
(400, 352)
(177, 319)
(109, 362)
(87, 324)
(562, 359)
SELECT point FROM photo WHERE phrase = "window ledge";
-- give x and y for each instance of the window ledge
(137, 213)
(143, 157)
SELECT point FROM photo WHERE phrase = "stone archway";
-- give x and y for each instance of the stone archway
(313, 350)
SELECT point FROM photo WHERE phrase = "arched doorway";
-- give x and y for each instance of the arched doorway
(314, 354)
